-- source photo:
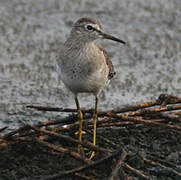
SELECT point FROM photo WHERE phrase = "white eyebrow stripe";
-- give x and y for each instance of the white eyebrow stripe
(96, 26)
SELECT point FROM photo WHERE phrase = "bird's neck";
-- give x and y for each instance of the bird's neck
(75, 41)
(77, 48)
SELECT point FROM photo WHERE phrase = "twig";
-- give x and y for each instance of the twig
(67, 138)
(163, 99)
(154, 110)
(147, 122)
(117, 124)
(162, 161)
(122, 110)
(114, 173)
(16, 140)
(135, 171)
(82, 176)
(176, 113)
(168, 99)
(21, 129)
(2, 129)
(81, 168)
(169, 117)
(102, 138)
(64, 150)
(162, 165)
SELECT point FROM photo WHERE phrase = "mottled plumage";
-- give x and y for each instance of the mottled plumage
(83, 66)
(109, 64)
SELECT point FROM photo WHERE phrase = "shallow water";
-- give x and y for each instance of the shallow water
(31, 32)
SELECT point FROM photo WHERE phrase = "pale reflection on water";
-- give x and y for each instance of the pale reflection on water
(31, 31)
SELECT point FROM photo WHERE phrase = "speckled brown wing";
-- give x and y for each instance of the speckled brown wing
(109, 64)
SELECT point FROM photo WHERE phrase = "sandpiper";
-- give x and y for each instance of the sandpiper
(85, 67)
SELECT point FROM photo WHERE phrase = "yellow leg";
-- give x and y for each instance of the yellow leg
(80, 115)
(94, 119)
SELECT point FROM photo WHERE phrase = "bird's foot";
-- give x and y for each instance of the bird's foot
(92, 155)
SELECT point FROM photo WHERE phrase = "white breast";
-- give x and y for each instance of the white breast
(86, 72)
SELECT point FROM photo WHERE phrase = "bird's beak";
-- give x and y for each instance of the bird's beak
(110, 37)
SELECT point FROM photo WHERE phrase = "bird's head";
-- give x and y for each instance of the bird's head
(89, 29)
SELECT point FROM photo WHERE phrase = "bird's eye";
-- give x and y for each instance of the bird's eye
(89, 27)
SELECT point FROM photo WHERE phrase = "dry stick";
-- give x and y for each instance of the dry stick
(81, 168)
(67, 138)
(109, 122)
(71, 126)
(163, 99)
(116, 124)
(152, 163)
(102, 138)
(163, 162)
(46, 123)
(112, 128)
(24, 128)
(55, 109)
(169, 99)
(169, 117)
(68, 128)
(69, 110)
(75, 125)
(132, 120)
(2, 129)
(122, 124)
(118, 166)
(140, 112)
(154, 110)
(174, 116)
(82, 176)
(40, 124)
(155, 102)
(56, 148)
(146, 122)
(176, 113)
(17, 140)
(28, 127)
(135, 171)
(64, 150)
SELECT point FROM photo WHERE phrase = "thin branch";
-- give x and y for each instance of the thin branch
(147, 122)
(64, 150)
(154, 110)
(67, 138)
(2, 129)
(163, 99)
(135, 171)
(114, 173)
(81, 168)
(102, 138)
